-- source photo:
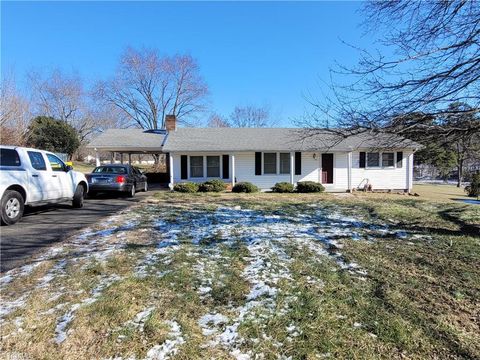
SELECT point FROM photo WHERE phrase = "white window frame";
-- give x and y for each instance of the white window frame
(190, 167)
(219, 166)
(394, 160)
(380, 162)
(289, 157)
(205, 168)
(276, 163)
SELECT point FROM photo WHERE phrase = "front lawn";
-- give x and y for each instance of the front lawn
(255, 276)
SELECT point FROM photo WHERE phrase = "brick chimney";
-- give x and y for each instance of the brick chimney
(170, 123)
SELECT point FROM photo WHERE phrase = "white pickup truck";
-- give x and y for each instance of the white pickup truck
(36, 177)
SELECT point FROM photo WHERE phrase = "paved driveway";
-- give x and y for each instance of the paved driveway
(45, 225)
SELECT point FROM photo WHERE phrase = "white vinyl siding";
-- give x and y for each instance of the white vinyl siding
(385, 178)
(380, 178)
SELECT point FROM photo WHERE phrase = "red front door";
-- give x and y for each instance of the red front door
(327, 168)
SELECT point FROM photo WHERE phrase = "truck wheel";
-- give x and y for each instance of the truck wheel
(77, 202)
(12, 207)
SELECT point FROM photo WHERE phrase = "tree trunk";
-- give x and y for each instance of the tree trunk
(460, 173)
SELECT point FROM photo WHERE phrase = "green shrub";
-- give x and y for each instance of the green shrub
(186, 187)
(283, 187)
(473, 190)
(309, 187)
(244, 187)
(212, 186)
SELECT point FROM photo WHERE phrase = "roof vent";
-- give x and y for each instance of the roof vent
(156, 131)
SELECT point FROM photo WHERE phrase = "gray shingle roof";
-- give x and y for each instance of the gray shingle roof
(275, 139)
(128, 139)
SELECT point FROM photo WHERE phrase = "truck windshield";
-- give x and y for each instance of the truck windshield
(9, 157)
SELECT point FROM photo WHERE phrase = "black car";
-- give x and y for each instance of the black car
(122, 178)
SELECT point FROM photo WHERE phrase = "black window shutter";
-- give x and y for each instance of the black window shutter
(184, 166)
(362, 159)
(399, 159)
(258, 163)
(298, 163)
(226, 166)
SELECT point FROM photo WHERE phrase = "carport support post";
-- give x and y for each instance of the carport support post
(97, 158)
(129, 158)
(121, 158)
(349, 170)
(170, 162)
(232, 162)
(292, 168)
(112, 157)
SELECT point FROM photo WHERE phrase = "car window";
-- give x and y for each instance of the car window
(55, 163)
(9, 157)
(110, 170)
(37, 160)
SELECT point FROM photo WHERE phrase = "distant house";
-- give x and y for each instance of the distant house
(265, 156)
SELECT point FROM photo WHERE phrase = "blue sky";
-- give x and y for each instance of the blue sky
(249, 53)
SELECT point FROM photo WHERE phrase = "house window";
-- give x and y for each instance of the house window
(284, 163)
(373, 159)
(196, 166)
(213, 166)
(270, 163)
(388, 159)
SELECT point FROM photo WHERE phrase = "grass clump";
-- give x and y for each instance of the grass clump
(212, 186)
(187, 187)
(309, 187)
(245, 187)
(283, 187)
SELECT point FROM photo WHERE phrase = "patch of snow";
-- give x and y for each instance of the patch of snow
(63, 322)
(210, 323)
(61, 332)
(170, 346)
(139, 320)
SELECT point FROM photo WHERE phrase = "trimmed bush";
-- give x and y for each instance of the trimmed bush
(212, 186)
(309, 187)
(473, 190)
(283, 187)
(244, 187)
(186, 187)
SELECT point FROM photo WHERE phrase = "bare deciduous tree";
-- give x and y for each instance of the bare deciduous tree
(250, 116)
(430, 57)
(15, 113)
(62, 96)
(217, 121)
(147, 86)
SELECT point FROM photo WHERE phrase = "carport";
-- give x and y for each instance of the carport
(127, 142)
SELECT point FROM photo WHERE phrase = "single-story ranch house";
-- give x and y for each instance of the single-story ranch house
(265, 156)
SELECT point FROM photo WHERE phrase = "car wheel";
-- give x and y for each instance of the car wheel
(12, 207)
(131, 193)
(145, 187)
(77, 202)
